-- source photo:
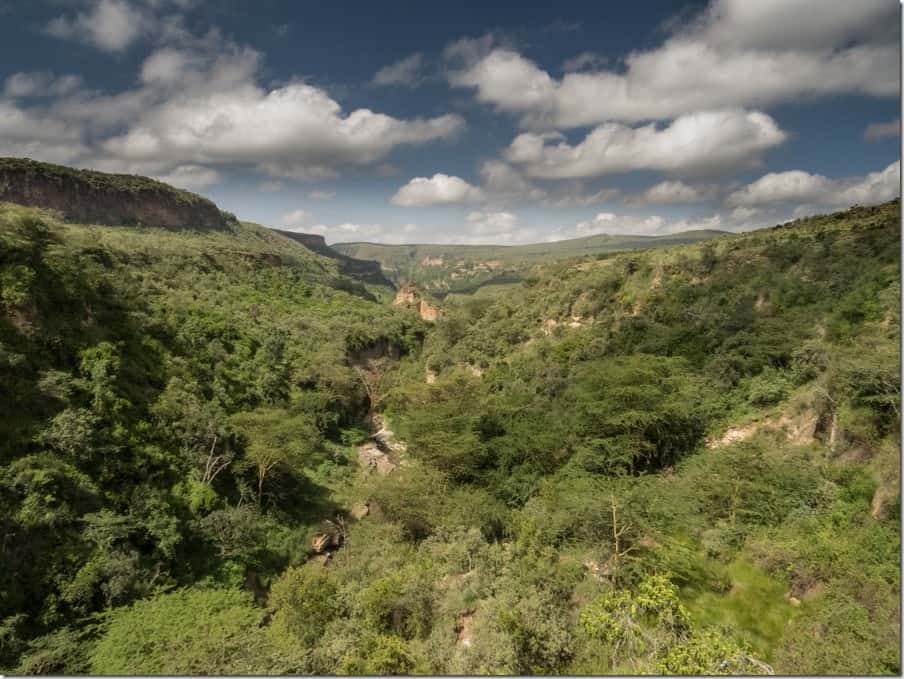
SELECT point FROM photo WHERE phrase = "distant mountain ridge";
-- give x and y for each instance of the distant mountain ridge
(368, 271)
(92, 197)
(441, 269)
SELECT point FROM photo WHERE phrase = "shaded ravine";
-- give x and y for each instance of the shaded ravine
(382, 454)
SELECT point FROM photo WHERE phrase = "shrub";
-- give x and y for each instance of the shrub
(382, 654)
(767, 388)
(303, 604)
(189, 631)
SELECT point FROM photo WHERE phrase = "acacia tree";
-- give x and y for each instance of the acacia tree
(619, 551)
(652, 628)
(275, 438)
(265, 460)
(376, 376)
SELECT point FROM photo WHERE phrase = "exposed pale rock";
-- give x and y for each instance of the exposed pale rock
(428, 312)
(408, 297)
(477, 371)
(323, 542)
(372, 458)
(464, 628)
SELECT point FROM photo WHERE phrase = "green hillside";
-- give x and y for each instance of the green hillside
(441, 269)
(221, 455)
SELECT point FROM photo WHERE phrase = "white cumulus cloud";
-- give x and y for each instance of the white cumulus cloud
(40, 84)
(610, 223)
(503, 182)
(584, 61)
(356, 232)
(199, 103)
(440, 189)
(498, 227)
(490, 223)
(191, 177)
(672, 191)
(877, 131)
(736, 54)
(296, 130)
(698, 142)
(797, 186)
(406, 72)
(35, 134)
(294, 220)
(798, 24)
(109, 25)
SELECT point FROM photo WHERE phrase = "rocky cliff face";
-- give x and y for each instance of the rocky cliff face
(93, 197)
(408, 297)
(313, 242)
(364, 270)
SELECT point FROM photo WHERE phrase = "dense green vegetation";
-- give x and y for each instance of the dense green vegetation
(680, 460)
(441, 269)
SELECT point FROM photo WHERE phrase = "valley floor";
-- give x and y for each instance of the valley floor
(230, 458)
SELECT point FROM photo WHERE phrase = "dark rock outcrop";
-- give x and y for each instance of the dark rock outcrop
(361, 269)
(91, 197)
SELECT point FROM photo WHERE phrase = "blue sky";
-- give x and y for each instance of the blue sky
(472, 122)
